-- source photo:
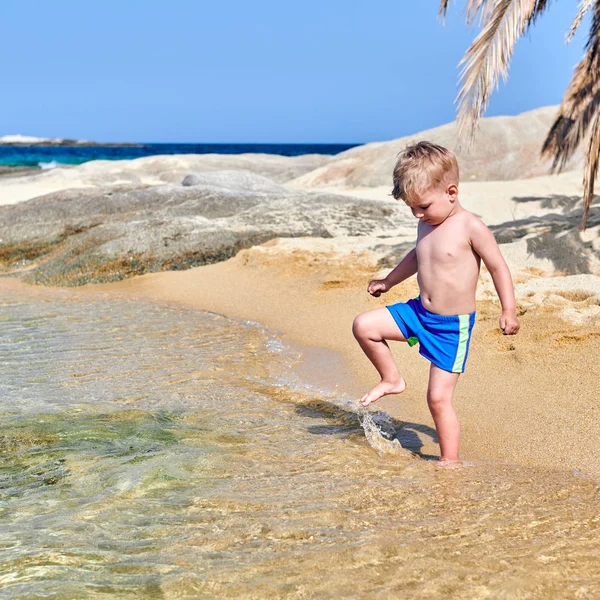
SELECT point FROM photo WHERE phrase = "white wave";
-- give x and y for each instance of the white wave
(48, 165)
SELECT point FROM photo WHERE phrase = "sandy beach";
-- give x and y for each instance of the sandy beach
(530, 399)
(180, 357)
(195, 199)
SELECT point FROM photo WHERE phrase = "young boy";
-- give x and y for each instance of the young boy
(450, 245)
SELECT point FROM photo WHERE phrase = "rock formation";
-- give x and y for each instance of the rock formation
(504, 148)
(83, 236)
(156, 170)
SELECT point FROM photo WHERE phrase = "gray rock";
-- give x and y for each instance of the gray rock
(154, 170)
(82, 236)
(191, 180)
(241, 180)
(6, 172)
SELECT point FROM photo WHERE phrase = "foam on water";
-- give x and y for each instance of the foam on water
(48, 165)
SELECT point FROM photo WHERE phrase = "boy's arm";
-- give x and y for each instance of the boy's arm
(484, 243)
(403, 270)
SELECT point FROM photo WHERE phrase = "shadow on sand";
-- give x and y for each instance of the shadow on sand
(556, 236)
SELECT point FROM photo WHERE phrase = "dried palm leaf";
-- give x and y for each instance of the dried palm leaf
(584, 6)
(540, 7)
(489, 56)
(573, 119)
(578, 110)
(579, 104)
(483, 8)
(443, 8)
(592, 157)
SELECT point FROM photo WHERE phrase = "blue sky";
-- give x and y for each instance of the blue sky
(255, 71)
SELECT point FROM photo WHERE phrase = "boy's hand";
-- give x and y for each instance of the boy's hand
(378, 287)
(509, 322)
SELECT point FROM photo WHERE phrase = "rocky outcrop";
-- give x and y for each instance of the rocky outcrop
(156, 170)
(73, 237)
(504, 148)
(106, 220)
(8, 171)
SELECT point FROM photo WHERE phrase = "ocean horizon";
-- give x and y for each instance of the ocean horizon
(48, 157)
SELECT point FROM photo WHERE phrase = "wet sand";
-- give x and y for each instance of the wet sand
(153, 452)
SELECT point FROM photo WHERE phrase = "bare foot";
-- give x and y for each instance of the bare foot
(383, 388)
(447, 463)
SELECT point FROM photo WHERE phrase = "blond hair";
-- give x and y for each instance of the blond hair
(420, 167)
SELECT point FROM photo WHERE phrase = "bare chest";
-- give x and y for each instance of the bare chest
(443, 246)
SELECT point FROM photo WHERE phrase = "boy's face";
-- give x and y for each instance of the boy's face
(436, 204)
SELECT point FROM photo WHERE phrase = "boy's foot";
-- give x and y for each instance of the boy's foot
(446, 463)
(383, 388)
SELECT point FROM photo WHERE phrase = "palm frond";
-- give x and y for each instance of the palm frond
(592, 157)
(574, 117)
(443, 8)
(473, 8)
(579, 104)
(540, 7)
(481, 8)
(579, 109)
(584, 6)
(489, 55)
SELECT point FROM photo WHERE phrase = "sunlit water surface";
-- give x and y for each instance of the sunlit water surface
(153, 452)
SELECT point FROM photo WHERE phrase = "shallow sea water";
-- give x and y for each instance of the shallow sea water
(156, 452)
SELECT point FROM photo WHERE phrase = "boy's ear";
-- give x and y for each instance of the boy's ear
(452, 191)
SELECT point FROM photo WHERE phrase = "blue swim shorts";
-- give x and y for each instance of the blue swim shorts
(443, 340)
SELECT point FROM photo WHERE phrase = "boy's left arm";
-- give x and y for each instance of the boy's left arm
(484, 243)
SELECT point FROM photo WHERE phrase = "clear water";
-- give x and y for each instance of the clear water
(155, 452)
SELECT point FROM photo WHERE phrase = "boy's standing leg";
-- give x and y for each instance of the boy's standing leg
(440, 392)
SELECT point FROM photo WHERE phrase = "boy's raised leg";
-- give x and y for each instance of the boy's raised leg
(439, 398)
(371, 329)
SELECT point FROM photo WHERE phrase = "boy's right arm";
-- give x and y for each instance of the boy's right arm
(405, 269)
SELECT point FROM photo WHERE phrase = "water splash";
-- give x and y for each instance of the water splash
(381, 431)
